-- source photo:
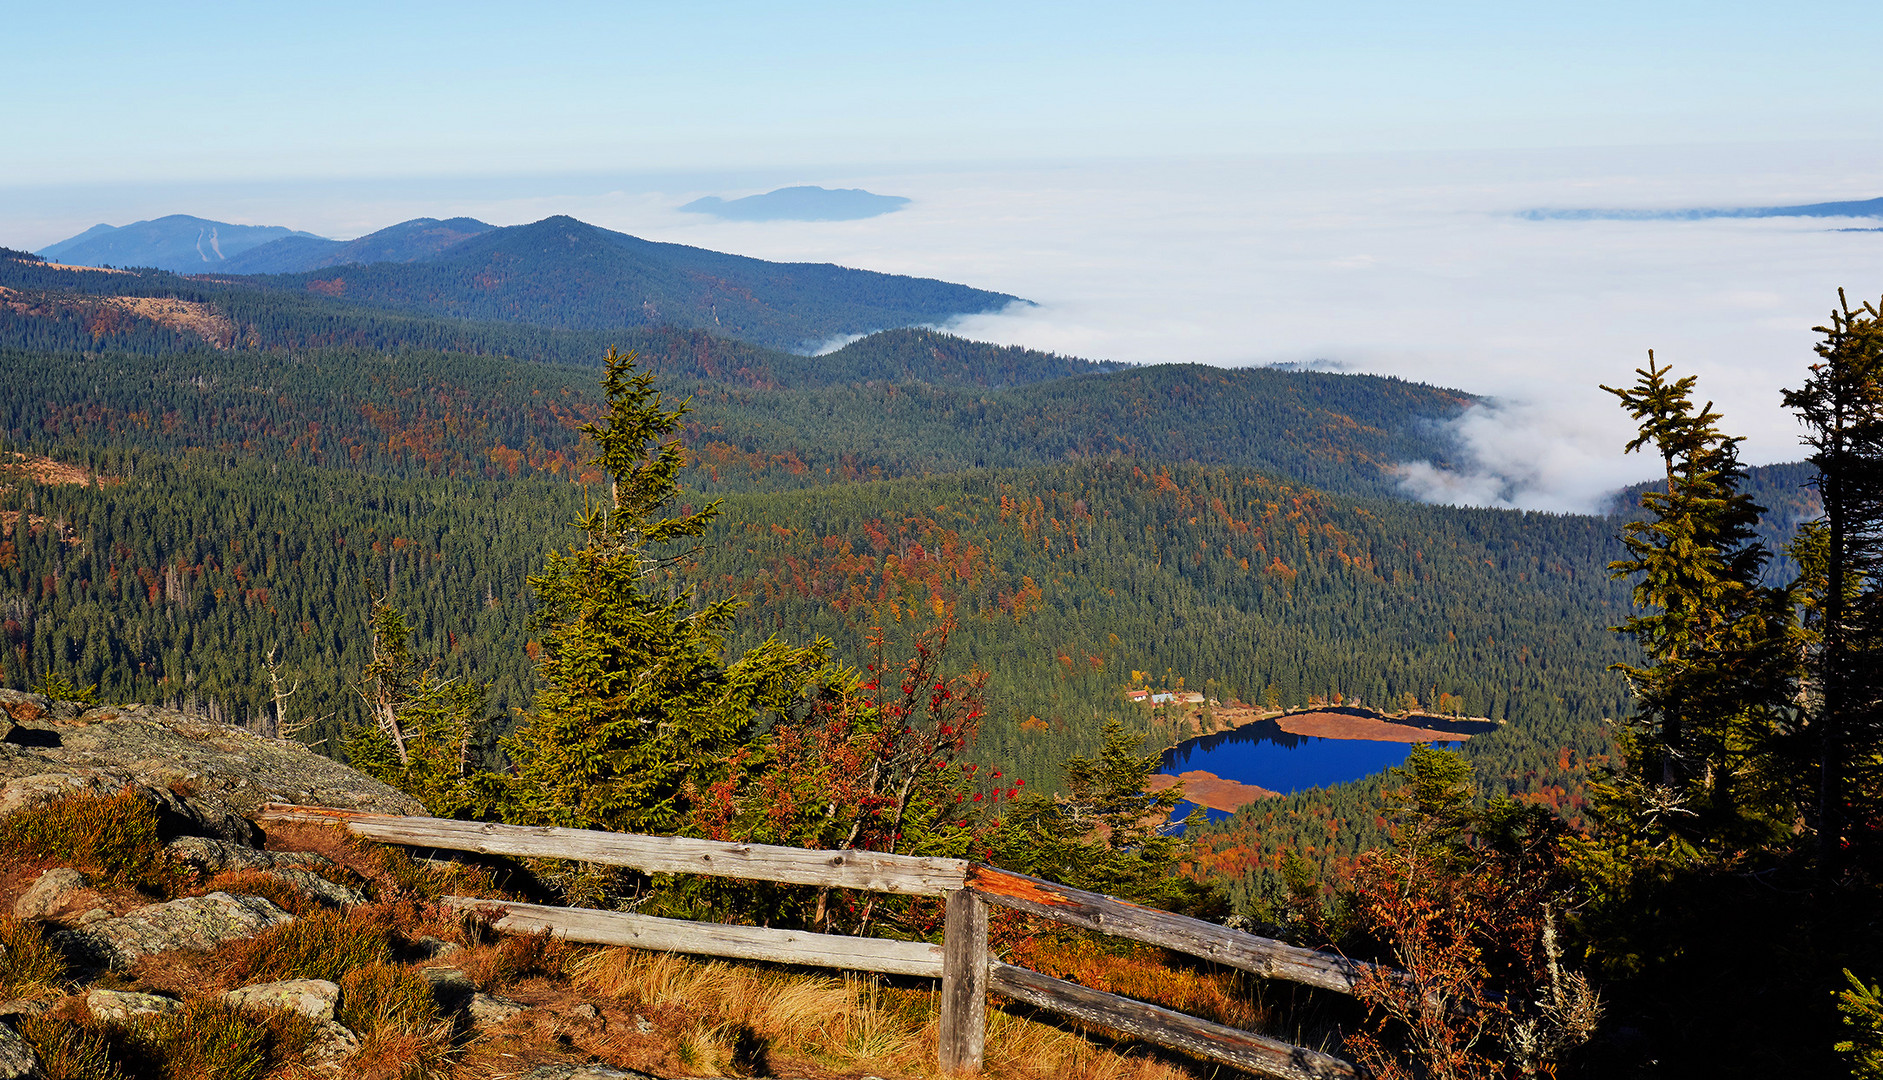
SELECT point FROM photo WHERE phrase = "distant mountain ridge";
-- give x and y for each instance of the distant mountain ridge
(408, 241)
(568, 274)
(800, 204)
(564, 274)
(1854, 208)
(155, 313)
(177, 242)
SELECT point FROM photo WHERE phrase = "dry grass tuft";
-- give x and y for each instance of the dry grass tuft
(409, 877)
(29, 965)
(871, 1030)
(391, 1054)
(741, 1013)
(323, 945)
(267, 886)
(513, 959)
(1019, 1047)
(114, 838)
(212, 1040)
(1145, 973)
(853, 1023)
(381, 998)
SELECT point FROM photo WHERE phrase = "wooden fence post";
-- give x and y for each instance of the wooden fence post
(964, 983)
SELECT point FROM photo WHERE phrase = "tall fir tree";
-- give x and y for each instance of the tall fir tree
(1841, 407)
(634, 700)
(1714, 697)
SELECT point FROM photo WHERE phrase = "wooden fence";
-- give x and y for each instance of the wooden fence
(962, 961)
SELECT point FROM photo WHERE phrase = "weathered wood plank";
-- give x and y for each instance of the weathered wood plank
(1245, 1050)
(873, 871)
(711, 939)
(1094, 911)
(963, 1040)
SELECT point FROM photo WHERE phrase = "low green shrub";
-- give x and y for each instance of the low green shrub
(60, 687)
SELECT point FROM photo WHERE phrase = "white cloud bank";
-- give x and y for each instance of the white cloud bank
(1410, 265)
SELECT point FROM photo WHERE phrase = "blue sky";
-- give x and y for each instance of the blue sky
(183, 91)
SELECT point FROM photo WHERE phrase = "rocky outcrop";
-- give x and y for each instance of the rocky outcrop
(17, 1060)
(209, 856)
(50, 894)
(124, 1005)
(313, 998)
(205, 778)
(195, 923)
(490, 1010)
(451, 989)
(295, 868)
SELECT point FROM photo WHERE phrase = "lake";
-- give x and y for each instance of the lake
(1263, 754)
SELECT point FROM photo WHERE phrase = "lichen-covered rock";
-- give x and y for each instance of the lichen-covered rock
(14, 1010)
(331, 1043)
(205, 778)
(319, 889)
(310, 997)
(488, 1010)
(125, 1005)
(211, 856)
(50, 894)
(17, 1060)
(36, 789)
(196, 923)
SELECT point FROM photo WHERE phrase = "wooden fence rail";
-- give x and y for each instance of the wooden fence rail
(962, 961)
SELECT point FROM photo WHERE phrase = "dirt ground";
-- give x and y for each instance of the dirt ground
(1346, 725)
(1208, 789)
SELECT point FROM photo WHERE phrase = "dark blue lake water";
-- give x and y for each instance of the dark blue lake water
(1265, 755)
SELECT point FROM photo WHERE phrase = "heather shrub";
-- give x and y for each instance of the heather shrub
(386, 996)
(28, 962)
(114, 838)
(70, 1050)
(323, 945)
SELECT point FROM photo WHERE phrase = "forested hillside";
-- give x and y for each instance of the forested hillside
(172, 579)
(215, 495)
(413, 412)
(1080, 520)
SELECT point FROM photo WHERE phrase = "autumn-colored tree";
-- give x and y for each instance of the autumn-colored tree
(1465, 908)
(875, 764)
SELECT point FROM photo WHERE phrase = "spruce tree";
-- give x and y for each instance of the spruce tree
(1713, 697)
(1841, 406)
(634, 701)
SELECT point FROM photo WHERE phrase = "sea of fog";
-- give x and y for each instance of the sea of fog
(1410, 265)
